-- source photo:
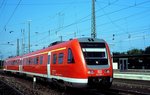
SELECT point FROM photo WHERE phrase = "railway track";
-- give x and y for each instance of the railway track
(25, 86)
(135, 87)
(103, 92)
(6, 89)
(121, 87)
(125, 92)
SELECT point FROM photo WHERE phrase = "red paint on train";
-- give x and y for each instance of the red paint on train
(78, 62)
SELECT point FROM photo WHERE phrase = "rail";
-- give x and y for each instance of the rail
(6, 89)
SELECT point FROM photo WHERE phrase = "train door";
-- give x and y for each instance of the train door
(48, 65)
(20, 64)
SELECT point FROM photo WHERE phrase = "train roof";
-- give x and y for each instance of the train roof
(13, 58)
(54, 44)
(89, 40)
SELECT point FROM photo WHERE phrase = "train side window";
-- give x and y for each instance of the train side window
(23, 61)
(29, 60)
(41, 59)
(54, 58)
(70, 56)
(60, 58)
(26, 60)
(13, 62)
(17, 62)
(36, 60)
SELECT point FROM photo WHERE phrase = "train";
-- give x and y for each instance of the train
(80, 62)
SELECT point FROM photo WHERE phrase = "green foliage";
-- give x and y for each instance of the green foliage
(135, 51)
(147, 50)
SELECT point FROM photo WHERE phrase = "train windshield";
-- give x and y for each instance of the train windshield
(95, 53)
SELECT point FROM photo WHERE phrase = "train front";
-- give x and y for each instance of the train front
(98, 61)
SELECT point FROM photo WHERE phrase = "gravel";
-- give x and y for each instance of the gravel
(132, 85)
(25, 86)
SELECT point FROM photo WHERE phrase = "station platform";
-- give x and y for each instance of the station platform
(133, 74)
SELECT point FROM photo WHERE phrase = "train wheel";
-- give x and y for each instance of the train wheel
(59, 85)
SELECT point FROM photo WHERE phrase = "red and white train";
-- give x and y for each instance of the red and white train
(79, 62)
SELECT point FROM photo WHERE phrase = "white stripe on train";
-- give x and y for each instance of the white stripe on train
(73, 80)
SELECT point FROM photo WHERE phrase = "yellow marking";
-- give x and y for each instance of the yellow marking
(59, 49)
(53, 50)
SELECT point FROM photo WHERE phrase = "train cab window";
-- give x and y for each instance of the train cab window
(54, 58)
(70, 56)
(95, 53)
(60, 58)
(41, 59)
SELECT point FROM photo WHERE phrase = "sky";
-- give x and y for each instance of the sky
(123, 24)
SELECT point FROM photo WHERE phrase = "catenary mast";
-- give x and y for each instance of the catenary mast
(93, 22)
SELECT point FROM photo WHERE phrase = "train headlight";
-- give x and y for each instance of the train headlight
(107, 71)
(90, 72)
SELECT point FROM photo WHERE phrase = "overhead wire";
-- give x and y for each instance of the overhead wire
(83, 19)
(52, 4)
(79, 21)
(3, 5)
(33, 36)
(130, 32)
(11, 15)
(122, 18)
(61, 28)
(112, 22)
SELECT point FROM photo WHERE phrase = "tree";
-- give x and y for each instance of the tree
(147, 50)
(135, 51)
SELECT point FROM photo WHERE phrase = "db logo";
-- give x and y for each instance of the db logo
(99, 71)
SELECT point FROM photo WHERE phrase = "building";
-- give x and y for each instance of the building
(132, 61)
